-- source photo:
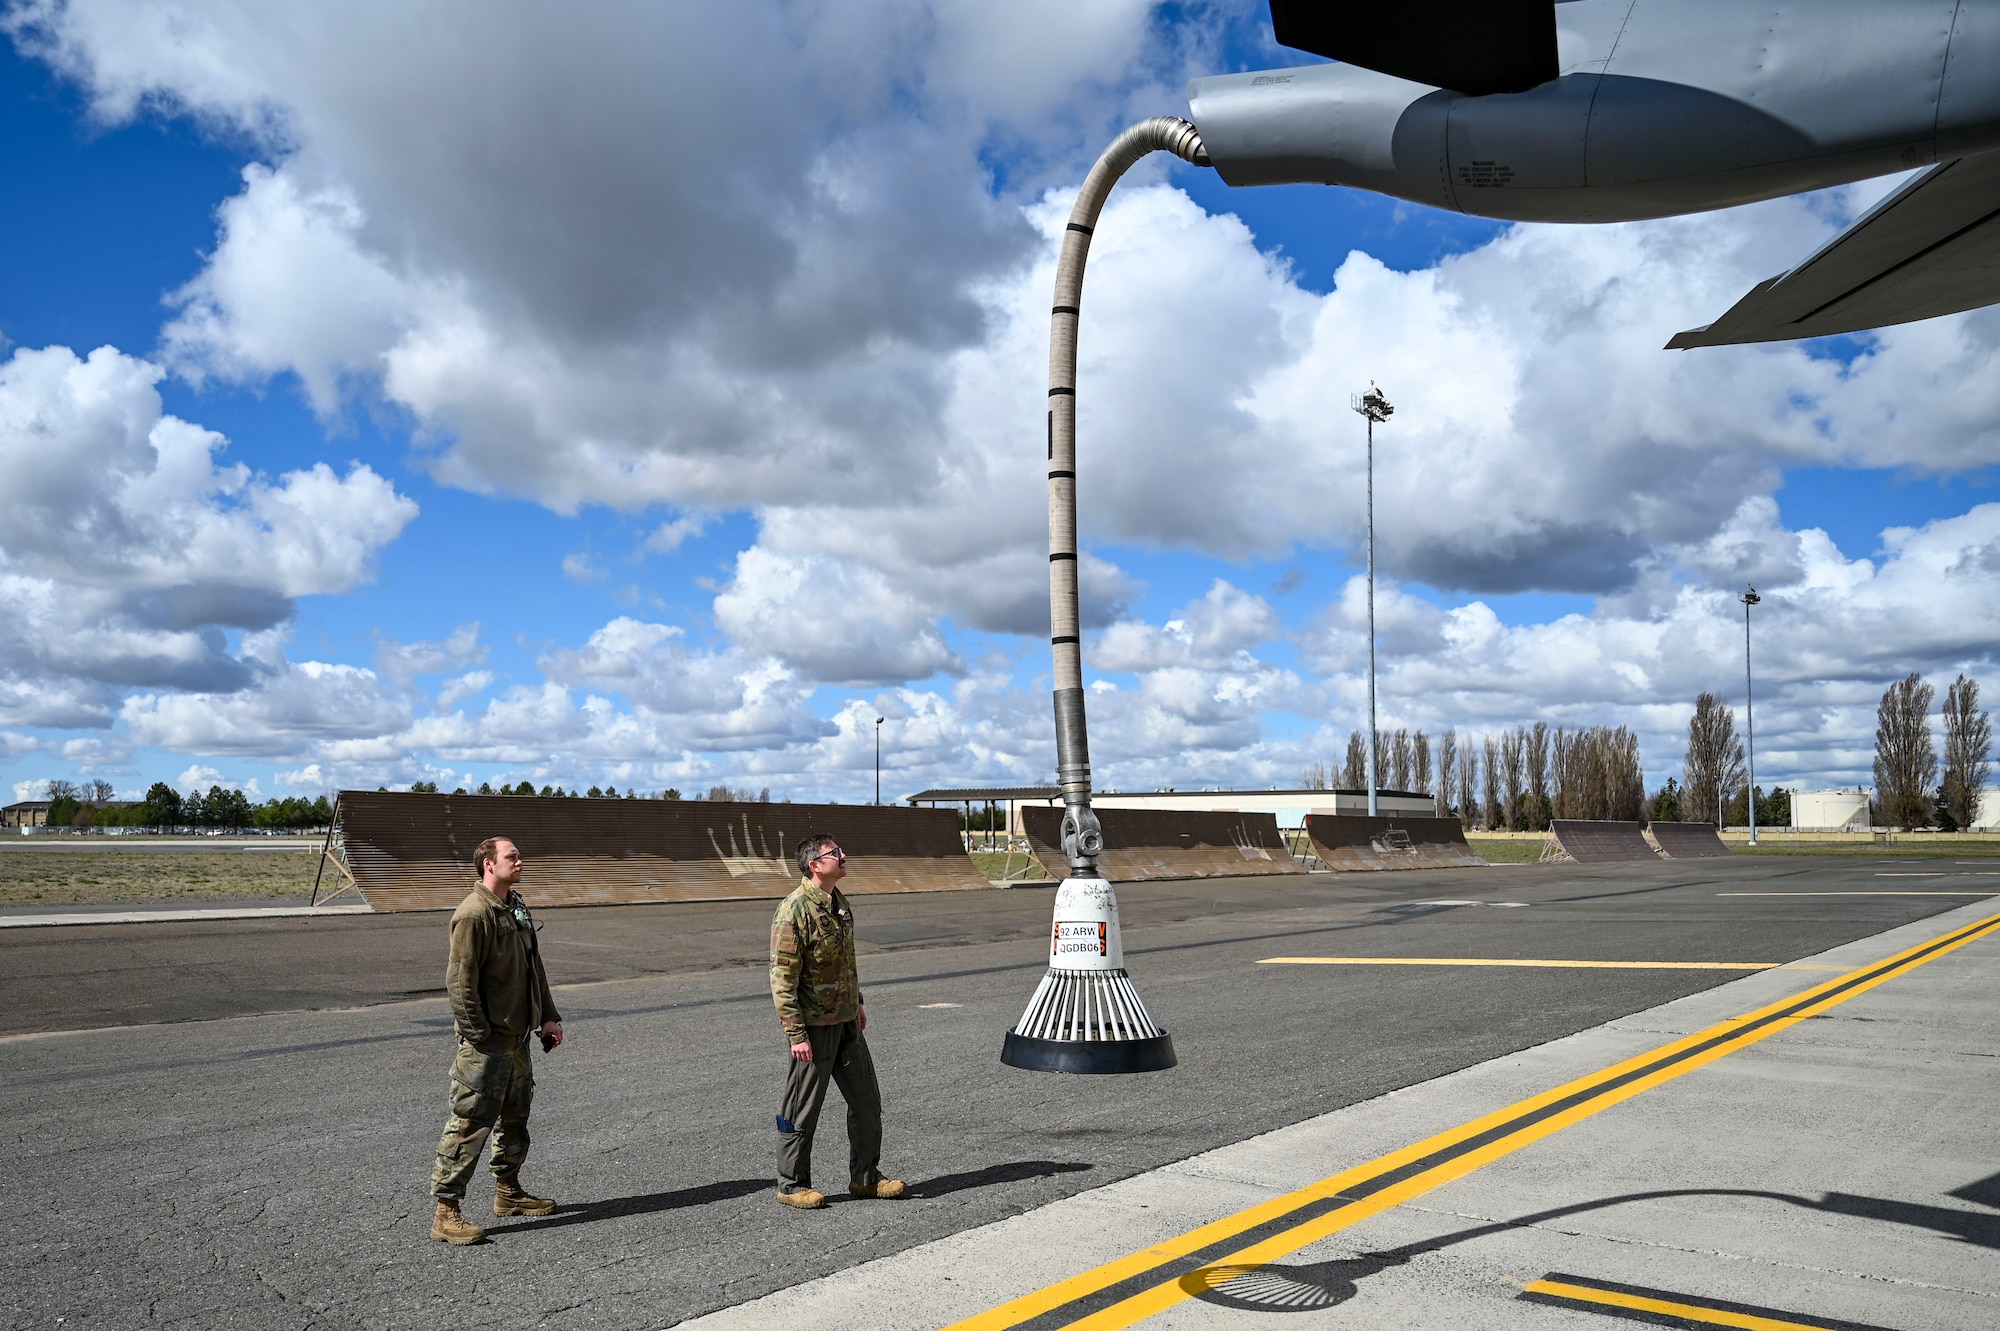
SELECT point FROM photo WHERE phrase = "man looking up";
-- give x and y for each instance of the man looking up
(817, 989)
(499, 999)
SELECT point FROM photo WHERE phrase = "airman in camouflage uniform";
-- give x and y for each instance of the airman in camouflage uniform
(817, 988)
(499, 1000)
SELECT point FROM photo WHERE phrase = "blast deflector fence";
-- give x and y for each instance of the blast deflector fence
(414, 852)
(1167, 843)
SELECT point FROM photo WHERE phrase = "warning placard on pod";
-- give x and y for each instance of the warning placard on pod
(1087, 938)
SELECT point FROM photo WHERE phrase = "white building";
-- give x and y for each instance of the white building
(1831, 810)
(1988, 817)
(1290, 806)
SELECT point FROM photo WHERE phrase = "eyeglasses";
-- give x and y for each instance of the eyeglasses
(834, 853)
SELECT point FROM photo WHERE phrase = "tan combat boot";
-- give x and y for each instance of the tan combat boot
(884, 1188)
(509, 1199)
(805, 1199)
(448, 1226)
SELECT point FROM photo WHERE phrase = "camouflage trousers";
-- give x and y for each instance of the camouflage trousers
(840, 1056)
(491, 1091)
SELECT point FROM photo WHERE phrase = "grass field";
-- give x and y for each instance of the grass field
(1517, 848)
(58, 878)
(993, 863)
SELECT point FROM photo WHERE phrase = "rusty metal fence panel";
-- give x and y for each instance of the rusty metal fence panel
(1690, 841)
(414, 852)
(1601, 841)
(1352, 842)
(1167, 843)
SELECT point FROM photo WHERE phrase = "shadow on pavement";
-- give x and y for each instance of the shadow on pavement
(1310, 1286)
(649, 1204)
(1305, 1288)
(1014, 1172)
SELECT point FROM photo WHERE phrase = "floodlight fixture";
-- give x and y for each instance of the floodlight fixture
(1374, 408)
(1749, 598)
(1085, 1016)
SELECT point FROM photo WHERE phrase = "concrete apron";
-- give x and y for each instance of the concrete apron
(1809, 1176)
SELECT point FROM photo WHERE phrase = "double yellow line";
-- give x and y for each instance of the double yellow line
(1128, 1290)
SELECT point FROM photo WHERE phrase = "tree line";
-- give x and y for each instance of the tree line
(739, 794)
(1513, 780)
(91, 804)
(1521, 779)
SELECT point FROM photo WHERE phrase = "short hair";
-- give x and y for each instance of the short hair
(809, 850)
(489, 849)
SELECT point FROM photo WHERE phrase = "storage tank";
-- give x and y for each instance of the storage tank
(1830, 810)
(1987, 819)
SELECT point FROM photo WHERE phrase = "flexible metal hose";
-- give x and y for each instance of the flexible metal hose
(1083, 839)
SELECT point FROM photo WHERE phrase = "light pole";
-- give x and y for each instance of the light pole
(1373, 407)
(1749, 598)
(878, 760)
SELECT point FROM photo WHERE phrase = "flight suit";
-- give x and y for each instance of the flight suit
(817, 989)
(499, 1001)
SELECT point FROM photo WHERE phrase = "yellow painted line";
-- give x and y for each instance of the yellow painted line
(1538, 1116)
(1513, 961)
(1693, 1312)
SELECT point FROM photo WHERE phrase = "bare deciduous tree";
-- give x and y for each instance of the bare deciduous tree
(1560, 763)
(1510, 779)
(1468, 784)
(1905, 759)
(1447, 785)
(1536, 757)
(99, 791)
(1420, 763)
(1355, 775)
(1968, 742)
(1399, 760)
(1491, 816)
(1313, 776)
(1625, 777)
(1597, 774)
(1713, 770)
(62, 790)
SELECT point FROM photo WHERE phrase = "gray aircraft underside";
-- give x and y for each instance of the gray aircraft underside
(1625, 109)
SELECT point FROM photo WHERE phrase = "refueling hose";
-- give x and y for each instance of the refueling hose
(1082, 837)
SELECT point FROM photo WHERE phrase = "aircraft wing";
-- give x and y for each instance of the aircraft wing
(1931, 248)
(1473, 47)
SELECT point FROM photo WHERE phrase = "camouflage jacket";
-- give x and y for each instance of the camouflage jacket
(494, 976)
(814, 981)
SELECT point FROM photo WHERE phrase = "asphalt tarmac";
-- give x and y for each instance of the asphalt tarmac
(245, 1139)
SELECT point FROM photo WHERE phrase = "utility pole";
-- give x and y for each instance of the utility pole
(1372, 407)
(1749, 598)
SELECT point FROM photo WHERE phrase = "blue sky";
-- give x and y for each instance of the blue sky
(716, 490)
